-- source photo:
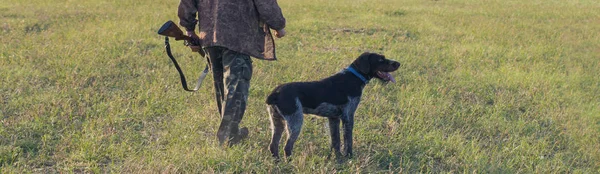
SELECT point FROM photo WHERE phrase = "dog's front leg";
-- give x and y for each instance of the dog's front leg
(334, 131)
(348, 124)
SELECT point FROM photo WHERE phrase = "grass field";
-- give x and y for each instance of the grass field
(486, 86)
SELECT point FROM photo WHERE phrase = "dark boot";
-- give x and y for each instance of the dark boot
(239, 136)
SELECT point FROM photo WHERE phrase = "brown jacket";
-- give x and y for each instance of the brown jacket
(239, 25)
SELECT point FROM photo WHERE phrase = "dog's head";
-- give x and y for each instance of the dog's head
(376, 65)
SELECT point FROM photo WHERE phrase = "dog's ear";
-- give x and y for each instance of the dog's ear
(362, 63)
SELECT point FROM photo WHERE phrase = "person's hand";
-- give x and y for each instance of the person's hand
(195, 44)
(280, 33)
(193, 35)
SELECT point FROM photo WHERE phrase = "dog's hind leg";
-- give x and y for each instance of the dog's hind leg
(294, 126)
(277, 126)
(293, 130)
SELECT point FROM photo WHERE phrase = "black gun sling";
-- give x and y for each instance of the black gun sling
(181, 76)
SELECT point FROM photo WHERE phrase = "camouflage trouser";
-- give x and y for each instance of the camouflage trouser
(232, 72)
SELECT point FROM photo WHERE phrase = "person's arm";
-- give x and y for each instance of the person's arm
(270, 13)
(187, 12)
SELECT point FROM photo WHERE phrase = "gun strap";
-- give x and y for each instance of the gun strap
(181, 76)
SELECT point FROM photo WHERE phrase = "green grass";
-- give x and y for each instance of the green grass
(490, 86)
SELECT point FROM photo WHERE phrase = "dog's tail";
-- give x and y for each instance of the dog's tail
(274, 96)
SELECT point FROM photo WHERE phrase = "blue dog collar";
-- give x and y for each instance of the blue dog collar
(361, 77)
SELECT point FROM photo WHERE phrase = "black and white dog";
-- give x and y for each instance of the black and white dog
(335, 97)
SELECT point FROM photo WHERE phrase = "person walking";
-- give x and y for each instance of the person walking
(230, 31)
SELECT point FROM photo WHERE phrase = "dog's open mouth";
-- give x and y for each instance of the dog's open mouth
(386, 76)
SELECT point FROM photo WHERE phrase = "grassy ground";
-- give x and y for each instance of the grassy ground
(486, 86)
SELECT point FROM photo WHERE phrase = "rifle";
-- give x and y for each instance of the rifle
(170, 29)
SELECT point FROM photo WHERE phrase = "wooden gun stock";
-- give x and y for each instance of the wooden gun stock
(170, 29)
